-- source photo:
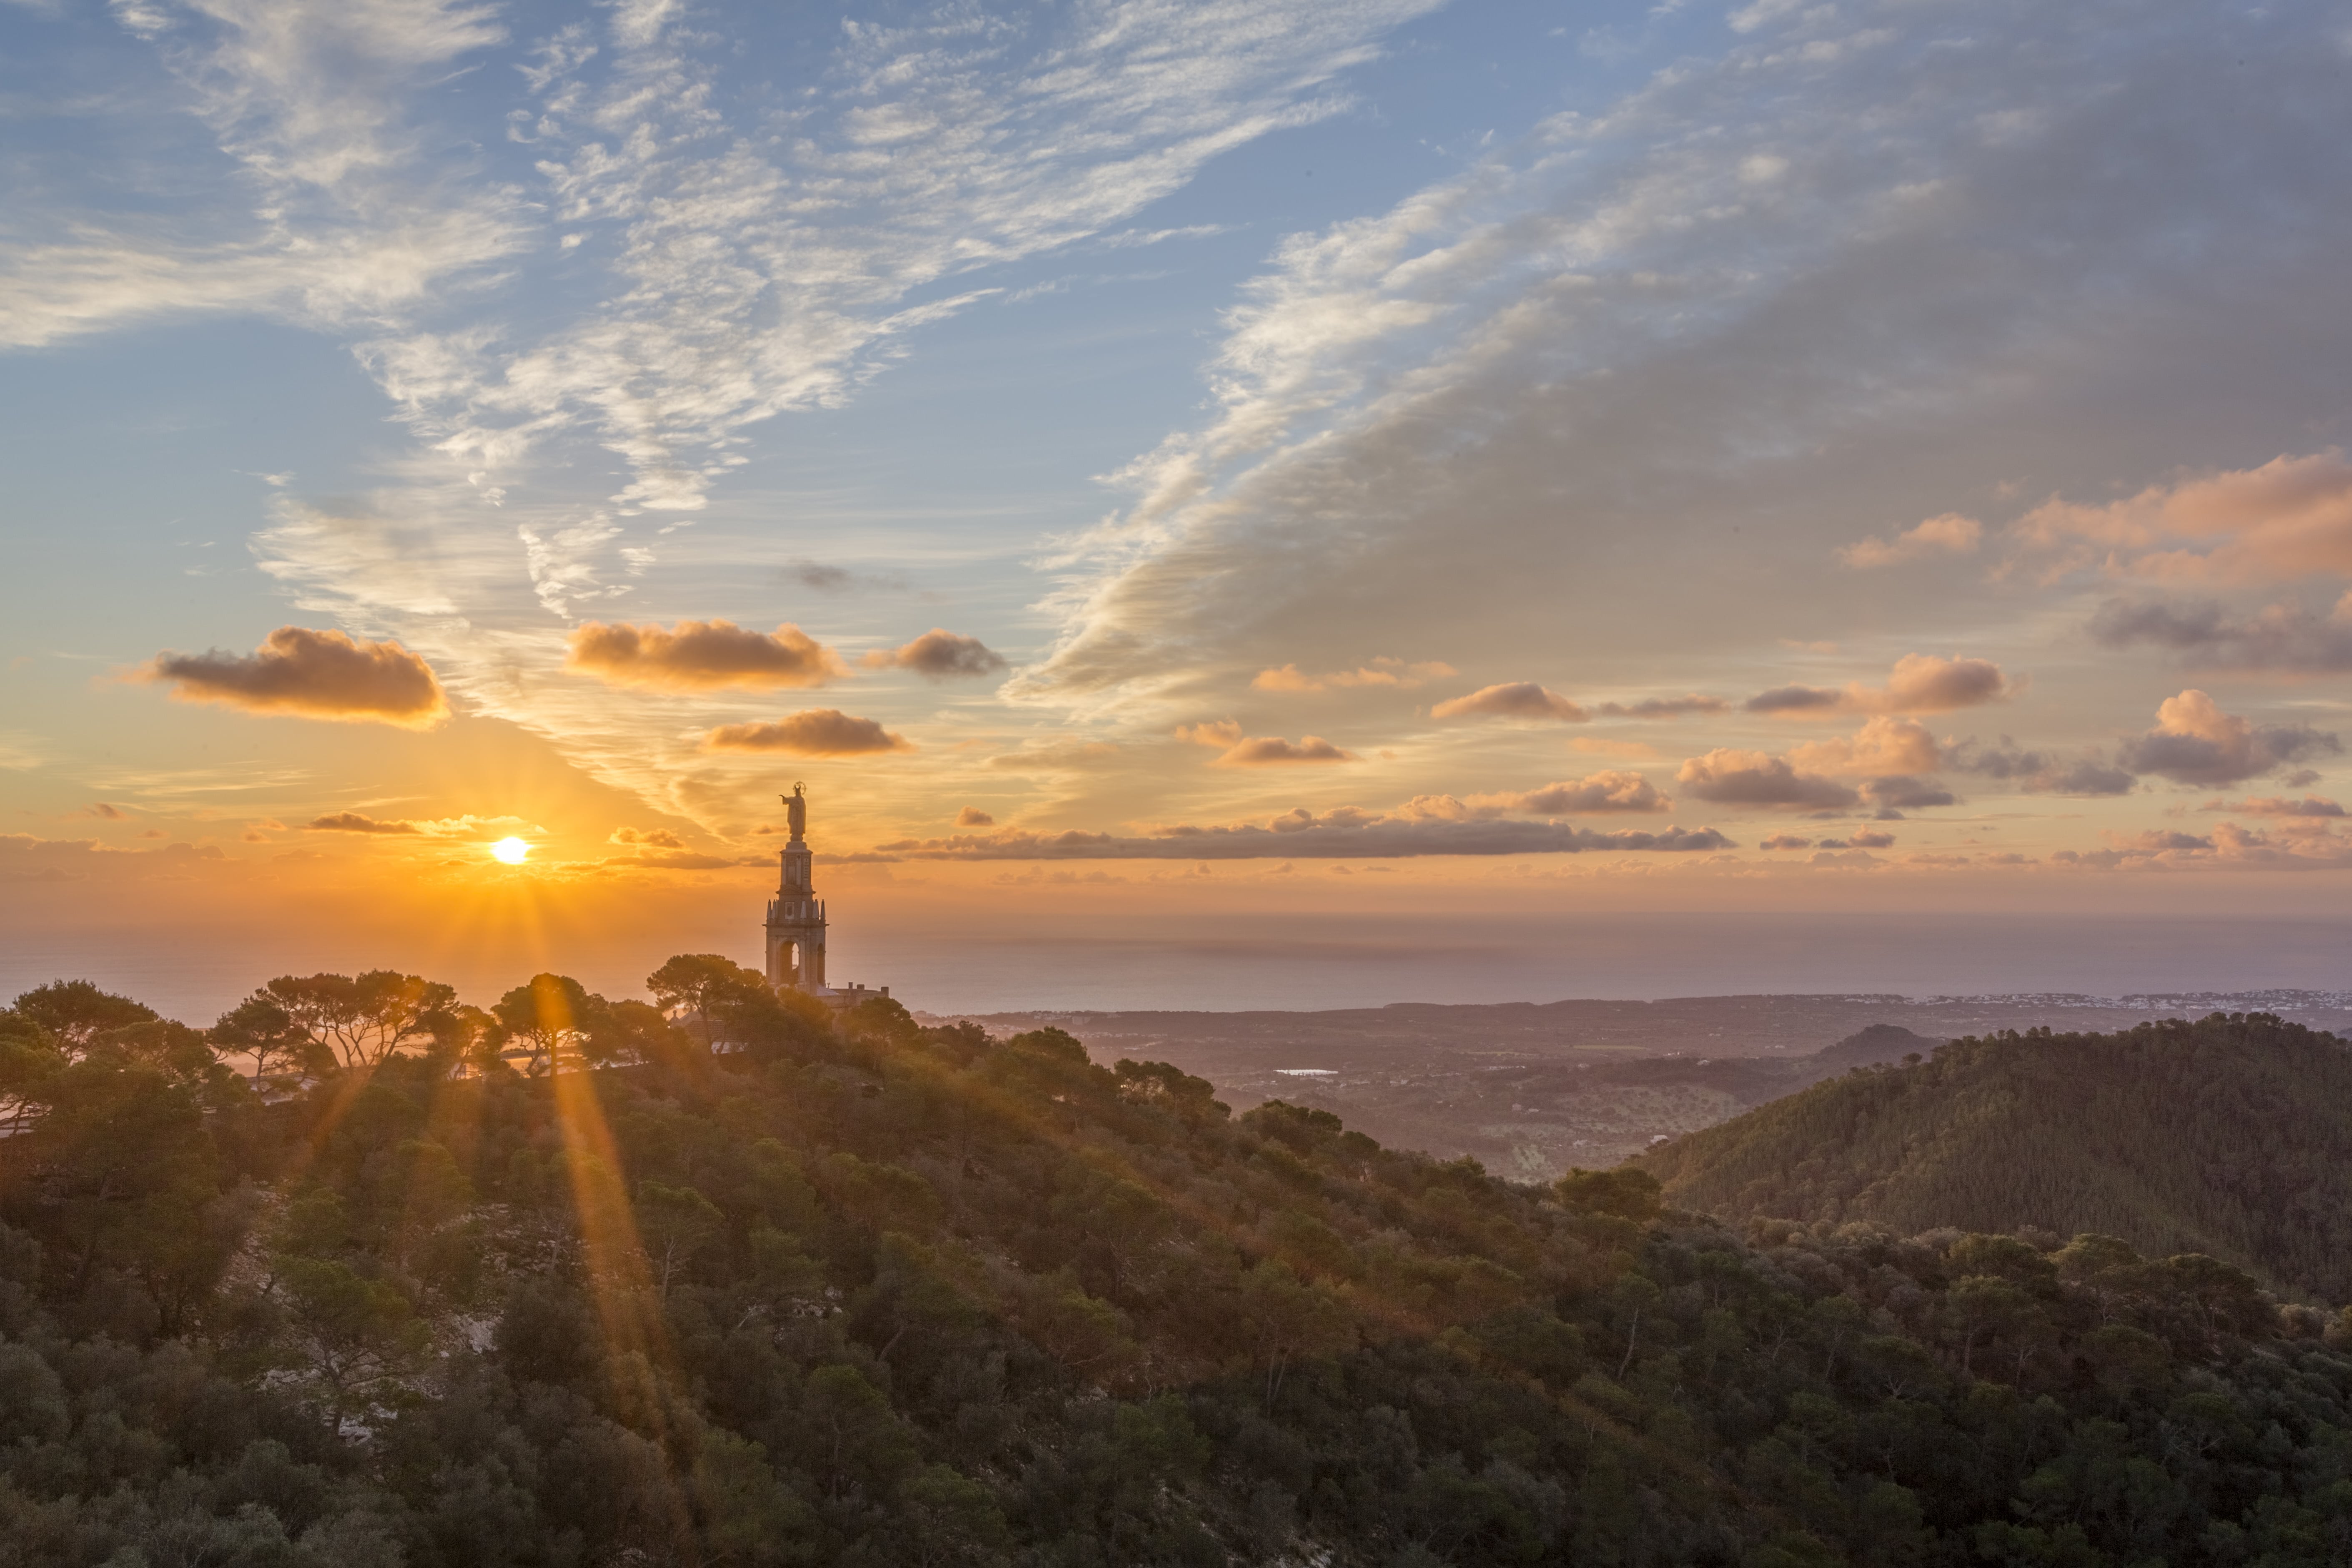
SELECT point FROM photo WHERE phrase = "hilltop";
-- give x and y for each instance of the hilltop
(1534, 1088)
(2231, 1136)
(555, 1284)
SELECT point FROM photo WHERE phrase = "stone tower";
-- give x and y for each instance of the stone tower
(796, 915)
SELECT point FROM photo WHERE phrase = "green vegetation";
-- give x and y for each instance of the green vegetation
(2232, 1137)
(856, 1291)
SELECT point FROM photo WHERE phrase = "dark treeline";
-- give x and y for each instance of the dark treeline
(850, 1290)
(2231, 1136)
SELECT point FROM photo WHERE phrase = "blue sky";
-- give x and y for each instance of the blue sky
(1871, 449)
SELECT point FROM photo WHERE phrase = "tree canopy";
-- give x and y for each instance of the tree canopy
(864, 1291)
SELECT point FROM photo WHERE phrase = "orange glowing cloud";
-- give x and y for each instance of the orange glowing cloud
(1513, 699)
(311, 675)
(1389, 672)
(811, 732)
(1240, 751)
(1950, 534)
(1883, 745)
(2291, 517)
(700, 656)
(1614, 790)
(359, 822)
(1920, 683)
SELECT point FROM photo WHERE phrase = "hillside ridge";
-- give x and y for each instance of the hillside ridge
(2231, 1136)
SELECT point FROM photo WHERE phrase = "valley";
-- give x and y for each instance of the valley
(1533, 1089)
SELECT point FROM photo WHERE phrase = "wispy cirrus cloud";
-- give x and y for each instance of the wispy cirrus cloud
(1542, 393)
(342, 212)
(715, 265)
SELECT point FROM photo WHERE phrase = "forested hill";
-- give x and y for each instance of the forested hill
(2231, 1136)
(554, 1285)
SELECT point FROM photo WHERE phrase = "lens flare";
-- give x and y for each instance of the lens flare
(511, 851)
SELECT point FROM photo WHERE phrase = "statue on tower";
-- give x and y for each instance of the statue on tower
(796, 926)
(795, 935)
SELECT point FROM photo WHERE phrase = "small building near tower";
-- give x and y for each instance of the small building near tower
(796, 925)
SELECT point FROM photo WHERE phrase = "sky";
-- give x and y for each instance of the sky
(1221, 504)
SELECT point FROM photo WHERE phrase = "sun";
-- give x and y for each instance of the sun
(512, 850)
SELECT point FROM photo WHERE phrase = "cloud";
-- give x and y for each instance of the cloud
(1729, 777)
(972, 816)
(700, 656)
(1901, 792)
(2154, 839)
(1664, 707)
(318, 201)
(1266, 751)
(1786, 841)
(1344, 833)
(654, 838)
(2281, 637)
(1949, 534)
(1920, 683)
(1241, 751)
(359, 822)
(2194, 742)
(25, 859)
(2039, 773)
(1613, 790)
(1061, 757)
(683, 862)
(1219, 732)
(824, 577)
(611, 249)
(1383, 672)
(1601, 793)
(1604, 746)
(2305, 847)
(2288, 519)
(1516, 699)
(811, 732)
(939, 654)
(313, 674)
(1868, 839)
(104, 812)
(1706, 306)
(1883, 745)
(2310, 805)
